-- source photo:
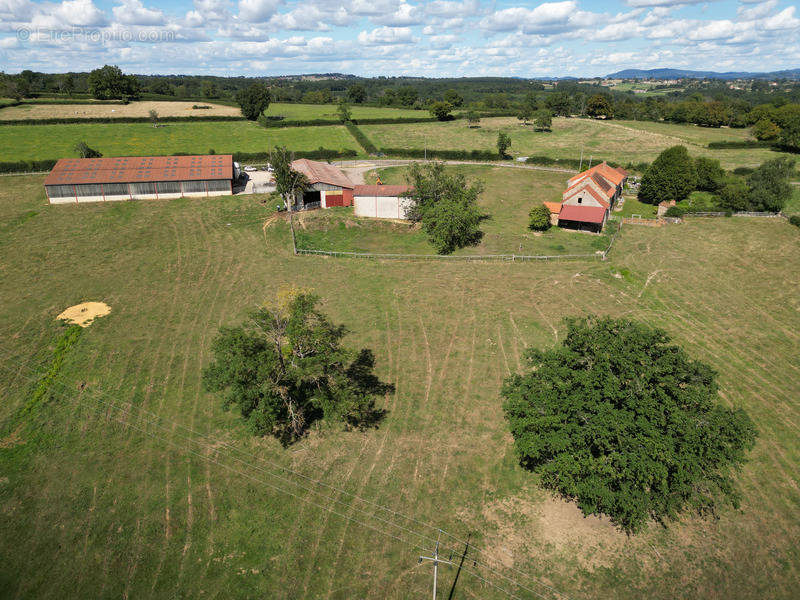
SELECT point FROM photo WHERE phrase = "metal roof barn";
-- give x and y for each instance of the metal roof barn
(139, 177)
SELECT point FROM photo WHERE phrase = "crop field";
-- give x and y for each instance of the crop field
(134, 109)
(623, 142)
(302, 112)
(509, 195)
(35, 142)
(121, 481)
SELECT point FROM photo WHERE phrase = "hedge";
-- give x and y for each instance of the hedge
(361, 138)
(27, 166)
(737, 144)
(275, 122)
(442, 154)
(575, 163)
(74, 120)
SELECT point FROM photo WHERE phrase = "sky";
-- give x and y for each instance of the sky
(433, 38)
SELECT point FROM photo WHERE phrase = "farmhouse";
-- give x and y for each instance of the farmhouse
(328, 185)
(589, 197)
(381, 201)
(139, 177)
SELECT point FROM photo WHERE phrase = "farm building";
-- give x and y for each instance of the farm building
(589, 197)
(329, 186)
(139, 177)
(381, 201)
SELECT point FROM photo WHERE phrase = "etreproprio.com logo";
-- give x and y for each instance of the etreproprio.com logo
(92, 35)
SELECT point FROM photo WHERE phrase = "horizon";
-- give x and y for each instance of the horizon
(432, 39)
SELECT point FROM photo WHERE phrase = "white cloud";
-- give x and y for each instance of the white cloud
(547, 18)
(133, 12)
(649, 3)
(386, 36)
(257, 11)
(80, 13)
(404, 15)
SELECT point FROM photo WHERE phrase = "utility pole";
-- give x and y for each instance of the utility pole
(436, 560)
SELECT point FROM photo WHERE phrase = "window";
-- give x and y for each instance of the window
(580, 200)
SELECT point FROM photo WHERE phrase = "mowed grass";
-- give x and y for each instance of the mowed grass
(509, 195)
(302, 112)
(623, 142)
(133, 109)
(38, 142)
(98, 501)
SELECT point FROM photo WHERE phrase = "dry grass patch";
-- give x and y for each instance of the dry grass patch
(134, 109)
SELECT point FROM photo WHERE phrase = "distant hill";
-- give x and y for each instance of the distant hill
(686, 74)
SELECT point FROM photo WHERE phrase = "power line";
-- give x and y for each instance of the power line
(153, 420)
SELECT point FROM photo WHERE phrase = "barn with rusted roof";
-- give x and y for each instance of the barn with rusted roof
(139, 177)
(328, 185)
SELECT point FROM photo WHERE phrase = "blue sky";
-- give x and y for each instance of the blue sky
(432, 38)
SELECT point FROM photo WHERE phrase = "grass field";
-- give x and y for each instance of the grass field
(509, 194)
(301, 112)
(102, 502)
(623, 142)
(134, 109)
(33, 142)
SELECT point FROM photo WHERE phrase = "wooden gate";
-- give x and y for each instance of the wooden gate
(333, 200)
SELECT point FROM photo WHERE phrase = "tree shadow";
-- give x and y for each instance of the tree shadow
(368, 385)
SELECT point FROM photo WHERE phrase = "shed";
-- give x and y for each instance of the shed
(328, 185)
(583, 218)
(381, 201)
(139, 177)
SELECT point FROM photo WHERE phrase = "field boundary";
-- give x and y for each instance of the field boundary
(600, 254)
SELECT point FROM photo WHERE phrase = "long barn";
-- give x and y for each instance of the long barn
(139, 177)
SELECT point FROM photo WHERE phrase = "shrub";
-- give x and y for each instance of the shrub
(795, 220)
(539, 218)
(675, 211)
(710, 175)
(769, 185)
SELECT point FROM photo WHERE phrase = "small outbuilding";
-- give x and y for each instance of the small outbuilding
(328, 185)
(139, 177)
(382, 201)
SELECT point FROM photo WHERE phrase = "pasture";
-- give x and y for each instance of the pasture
(302, 112)
(623, 142)
(509, 195)
(102, 499)
(35, 142)
(134, 109)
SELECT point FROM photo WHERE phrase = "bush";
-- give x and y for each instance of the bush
(795, 220)
(539, 218)
(675, 211)
(626, 424)
(742, 171)
(769, 185)
(710, 175)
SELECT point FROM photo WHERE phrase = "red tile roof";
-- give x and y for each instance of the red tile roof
(133, 169)
(319, 172)
(584, 214)
(612, 174)
(554, 207)
(381, 190)
(586, 188)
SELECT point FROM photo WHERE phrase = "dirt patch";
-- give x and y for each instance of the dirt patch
(84, 313)
(13, 439)
(554, 526)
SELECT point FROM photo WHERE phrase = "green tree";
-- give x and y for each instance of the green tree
(473, 118)
(357, 94)
(67, 85)
(286, 367)
(544, 120)
(559, 104)
(766, 130)
(626, 424)
(769, 187)
(288, 182)
(671, 176)
(84, 151)
(210, 90)
(109, 82)
(446, 205)
(454, 98)
(539, 218)
(441, 110)
(253, 100)
(503, 144)
(733, 195)
(789, 138)
(407, 95)
(599, 106)
(344, 112)
(525, 114)
(710, 175)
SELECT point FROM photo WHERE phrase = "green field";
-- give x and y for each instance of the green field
(302, 112)
(97, 501)
(38, 142)
(623, 142)
(509, 195)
